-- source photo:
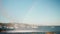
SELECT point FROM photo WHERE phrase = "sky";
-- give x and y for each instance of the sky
(43, 12)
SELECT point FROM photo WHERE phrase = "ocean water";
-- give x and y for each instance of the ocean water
(55, 29)
(49, 28)
(30, 33)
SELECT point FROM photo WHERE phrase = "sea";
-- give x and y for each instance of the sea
(30, 33)
(42, 29)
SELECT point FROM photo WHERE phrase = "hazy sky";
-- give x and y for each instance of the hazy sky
(44, 12)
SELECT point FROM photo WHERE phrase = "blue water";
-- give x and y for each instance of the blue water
(49, 28)
(55, 29)
(30, 33)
